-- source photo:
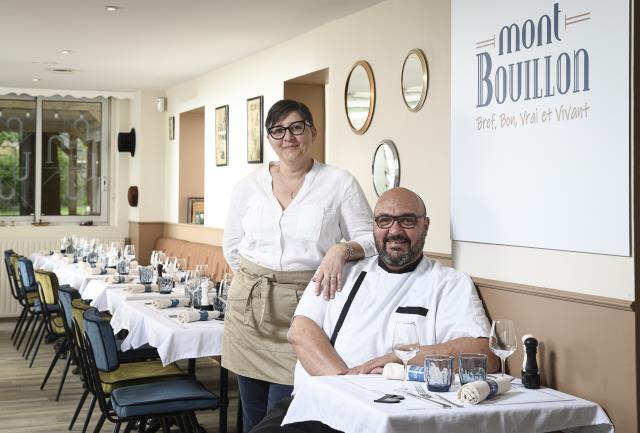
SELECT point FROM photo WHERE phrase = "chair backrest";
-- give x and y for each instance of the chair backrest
(27, 275)
(102, 340)
(66, 295)
(49, 284)
(13, 283)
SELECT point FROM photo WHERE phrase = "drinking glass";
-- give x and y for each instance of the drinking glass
(502, 340)
(130, 252)
(181, 268)
(154, 258)
(405, 345)
(203, 270)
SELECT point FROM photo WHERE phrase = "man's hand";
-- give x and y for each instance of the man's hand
(373, 366)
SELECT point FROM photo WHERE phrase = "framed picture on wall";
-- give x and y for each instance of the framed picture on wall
(195, 210)
(172, 128)
(254, 130)
(222, 136)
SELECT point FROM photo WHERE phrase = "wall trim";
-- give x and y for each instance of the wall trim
(599, 301)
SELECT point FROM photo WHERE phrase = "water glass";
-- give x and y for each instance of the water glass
(438, 372)
(123, 267)
(472, 367)
(165, 285)
(146, 274)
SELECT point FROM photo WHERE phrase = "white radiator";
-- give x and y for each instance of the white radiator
(8, 306)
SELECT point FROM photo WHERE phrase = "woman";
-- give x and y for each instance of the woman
(284, 222)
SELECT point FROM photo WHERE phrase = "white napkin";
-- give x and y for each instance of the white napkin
(112, 278)
(195, 315)
(142, 288)
(55, 256)
(393, 371)
(93, 271)
(475, 392)
(133, 265)
(170, 303)
(68, 260)
(82, 265)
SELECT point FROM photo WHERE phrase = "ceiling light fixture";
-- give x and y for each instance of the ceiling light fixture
(35, 80)
(0, 113)
(27, 115)
(65, 52)
(111, 8)
(56, 115)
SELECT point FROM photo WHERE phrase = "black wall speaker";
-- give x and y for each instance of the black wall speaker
(127, 141)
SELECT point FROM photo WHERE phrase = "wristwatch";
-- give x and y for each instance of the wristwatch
(349, 251)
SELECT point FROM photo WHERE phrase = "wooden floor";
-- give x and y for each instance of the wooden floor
(24, 408)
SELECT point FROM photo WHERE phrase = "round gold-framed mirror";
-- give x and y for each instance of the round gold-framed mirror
(360, 96)
(385, 168)
(415, 79)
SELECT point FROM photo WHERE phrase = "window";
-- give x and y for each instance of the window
(53, 155)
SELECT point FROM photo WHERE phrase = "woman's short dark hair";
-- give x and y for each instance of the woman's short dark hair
(285, 106)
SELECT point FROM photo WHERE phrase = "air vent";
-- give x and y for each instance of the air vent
(61, 70)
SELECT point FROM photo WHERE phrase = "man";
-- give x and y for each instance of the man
(400, 284)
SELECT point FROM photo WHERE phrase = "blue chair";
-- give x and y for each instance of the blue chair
(31, 297)
(15, 294)
(178, 398)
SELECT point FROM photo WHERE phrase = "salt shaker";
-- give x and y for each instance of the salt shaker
(530, 375)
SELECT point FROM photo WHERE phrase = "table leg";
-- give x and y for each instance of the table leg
(224, 399)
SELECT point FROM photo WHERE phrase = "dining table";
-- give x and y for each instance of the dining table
(175, 341)
(346, 403)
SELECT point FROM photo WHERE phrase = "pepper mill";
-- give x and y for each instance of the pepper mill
(530, 375)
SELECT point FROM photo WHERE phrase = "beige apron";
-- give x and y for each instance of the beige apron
(260, 306)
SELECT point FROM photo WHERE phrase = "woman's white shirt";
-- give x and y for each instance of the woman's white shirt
(330, 206)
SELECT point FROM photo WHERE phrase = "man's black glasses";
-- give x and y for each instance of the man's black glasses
(406, 221)
(296, 128)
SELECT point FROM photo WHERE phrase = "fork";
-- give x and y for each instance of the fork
(425, 394)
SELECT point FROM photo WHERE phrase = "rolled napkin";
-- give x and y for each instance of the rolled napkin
(93, 271)
(55, 256)
(170, 303)
(142, 288)
(195, 315)
(113, 278)
(68, 260)
(133, 265)
(395, 371)
(475, 392)
(83, 265)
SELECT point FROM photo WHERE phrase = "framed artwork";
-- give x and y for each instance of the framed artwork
(254, 130)
(172, 128)
(195, 210)
(222, 136)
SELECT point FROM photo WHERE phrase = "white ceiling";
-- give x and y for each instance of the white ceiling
(147, 44)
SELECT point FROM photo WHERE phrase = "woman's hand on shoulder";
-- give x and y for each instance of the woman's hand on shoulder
(328, 277)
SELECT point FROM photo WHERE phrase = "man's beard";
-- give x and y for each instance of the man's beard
(413, 252)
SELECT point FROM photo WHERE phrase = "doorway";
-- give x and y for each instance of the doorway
(310, 90)
(191, 162)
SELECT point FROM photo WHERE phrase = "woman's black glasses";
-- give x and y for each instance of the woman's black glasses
(296, 128)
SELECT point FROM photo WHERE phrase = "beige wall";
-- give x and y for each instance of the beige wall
(147, 165)
(191, 169)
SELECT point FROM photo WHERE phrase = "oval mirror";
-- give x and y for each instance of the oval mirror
(415, 79)
(385, 169)
(360, 97)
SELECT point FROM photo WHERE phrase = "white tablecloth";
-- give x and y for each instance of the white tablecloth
(113, 295)
(72, 274)
(161, 329)
(346, 403)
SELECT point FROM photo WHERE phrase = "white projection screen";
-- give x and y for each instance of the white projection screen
(540, 119)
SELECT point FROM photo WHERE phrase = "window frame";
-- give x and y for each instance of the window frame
(103, 217)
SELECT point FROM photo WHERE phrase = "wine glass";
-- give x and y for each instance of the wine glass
(203, 270)
(405, 345)
(130, 252)
(181, 268)
(502, 340)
